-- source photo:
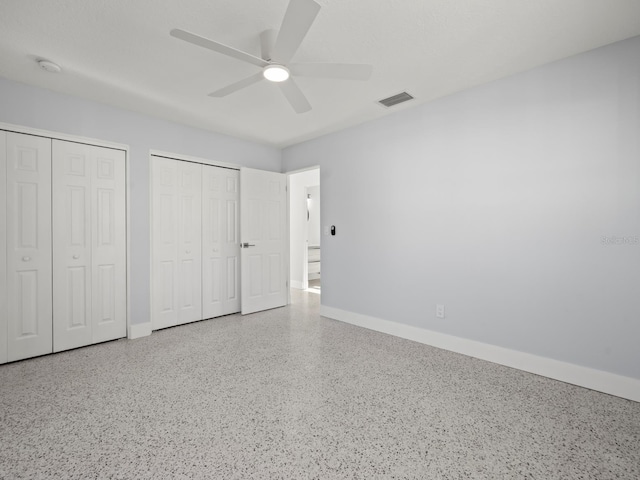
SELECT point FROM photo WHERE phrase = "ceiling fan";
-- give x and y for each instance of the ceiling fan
(277, 50)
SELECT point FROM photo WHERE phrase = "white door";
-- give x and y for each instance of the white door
(220, 241)
(190, 242)
(89, 245)
(263, 234)
(164, 218)
(177, 242)
(109, 245)
(3, 247)
(71, 246)
(28, 220)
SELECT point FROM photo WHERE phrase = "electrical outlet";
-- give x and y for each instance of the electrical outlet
(440, 311)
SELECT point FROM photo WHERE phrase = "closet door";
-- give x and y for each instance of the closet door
(177, 242)
(220, 247)
(109, 245)
(89, 245)
(190, 242)
(164, 231)
(28, 246)
(71, 246)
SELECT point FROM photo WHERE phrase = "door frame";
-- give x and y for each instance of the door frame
(306, 253)
(98, 143)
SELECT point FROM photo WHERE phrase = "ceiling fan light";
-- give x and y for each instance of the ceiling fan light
(276, 73)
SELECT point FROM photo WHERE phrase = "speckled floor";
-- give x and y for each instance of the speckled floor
(287, 394)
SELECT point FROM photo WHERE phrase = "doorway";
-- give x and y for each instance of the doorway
(305, 230)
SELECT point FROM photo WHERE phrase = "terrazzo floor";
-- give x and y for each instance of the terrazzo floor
(288, 394)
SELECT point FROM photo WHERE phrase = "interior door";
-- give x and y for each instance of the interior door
(3, 247)
(263, 235)
(29, 297)
(220, 241)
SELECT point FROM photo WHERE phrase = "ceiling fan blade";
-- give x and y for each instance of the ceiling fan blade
(234, 87)
(295, 96)
(349, 71)
(295, 25)
(217, 47)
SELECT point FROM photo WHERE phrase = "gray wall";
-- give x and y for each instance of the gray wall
(516, 204)
(38, 108)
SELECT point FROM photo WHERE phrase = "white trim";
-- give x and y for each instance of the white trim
(63, 136)
(127, 170)
(140, 330)
(289, 281)
(610, 383)
(150, 299)
(306, 169)
(189, 158)
(297, 284)
(305, 250)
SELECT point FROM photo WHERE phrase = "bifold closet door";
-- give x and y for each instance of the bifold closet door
(89, 245)
(220, 241)
(26, 161)
(176, 243)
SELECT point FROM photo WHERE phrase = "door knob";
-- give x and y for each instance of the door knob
(246, 245)
(26, 259)
(75, 257)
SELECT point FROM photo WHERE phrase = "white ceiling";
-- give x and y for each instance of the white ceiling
(119, 52)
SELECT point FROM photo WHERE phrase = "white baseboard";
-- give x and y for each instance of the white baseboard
(297, 284)
(610, 383)
(140, 330)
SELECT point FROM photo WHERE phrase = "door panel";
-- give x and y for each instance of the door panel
(263, 227)
(28, 221)
(164, 174)
(190, 242)
(176, 243)
(89, 244)
(231, 248)
(3, 247)
(71, 247)
(109, 245)
(220, 241)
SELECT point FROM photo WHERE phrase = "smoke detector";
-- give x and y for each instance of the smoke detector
(49, 66)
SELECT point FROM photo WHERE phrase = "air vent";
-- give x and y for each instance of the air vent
(396, 99)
